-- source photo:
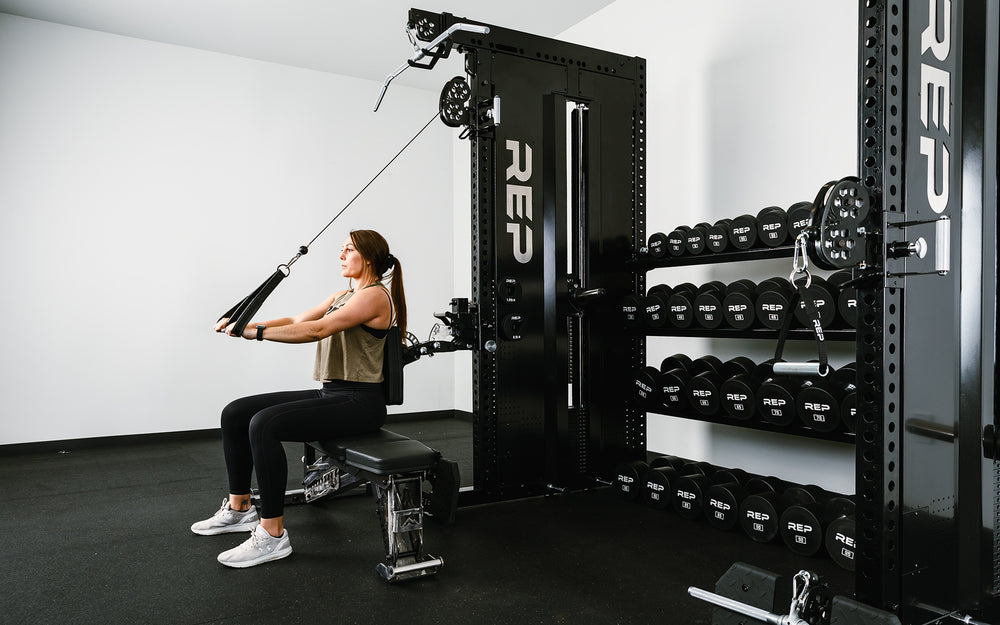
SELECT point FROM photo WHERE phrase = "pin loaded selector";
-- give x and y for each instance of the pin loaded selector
(512, 324)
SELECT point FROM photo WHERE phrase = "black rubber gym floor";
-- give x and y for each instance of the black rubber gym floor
(100, 535)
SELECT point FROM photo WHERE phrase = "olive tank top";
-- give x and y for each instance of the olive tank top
(354, 355)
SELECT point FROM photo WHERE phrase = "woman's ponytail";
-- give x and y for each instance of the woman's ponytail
(375, 249)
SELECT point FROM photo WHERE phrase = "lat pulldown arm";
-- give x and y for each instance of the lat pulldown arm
(420, 53)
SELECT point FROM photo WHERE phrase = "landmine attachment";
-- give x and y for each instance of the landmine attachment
(747, 591)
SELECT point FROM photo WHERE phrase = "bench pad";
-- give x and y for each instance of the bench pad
(380, 453)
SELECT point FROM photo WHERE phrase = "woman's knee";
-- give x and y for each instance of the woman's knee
(261, 426)
(237, 414)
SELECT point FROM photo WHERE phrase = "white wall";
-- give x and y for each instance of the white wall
(145, 188)
(749, 104)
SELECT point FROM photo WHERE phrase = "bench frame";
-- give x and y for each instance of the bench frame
(395, 469)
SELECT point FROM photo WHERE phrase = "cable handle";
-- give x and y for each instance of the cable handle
(800, 267)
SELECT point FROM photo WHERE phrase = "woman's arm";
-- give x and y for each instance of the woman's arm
(367, 306)
(309, 315)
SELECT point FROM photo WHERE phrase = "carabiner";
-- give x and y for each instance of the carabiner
(800, 259)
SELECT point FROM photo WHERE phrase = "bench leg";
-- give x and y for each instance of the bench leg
(400, 509)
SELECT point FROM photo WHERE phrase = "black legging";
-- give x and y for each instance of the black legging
(253, 428)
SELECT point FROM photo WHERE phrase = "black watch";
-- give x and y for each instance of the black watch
(260, 333)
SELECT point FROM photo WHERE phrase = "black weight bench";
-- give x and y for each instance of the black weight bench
(396, 467)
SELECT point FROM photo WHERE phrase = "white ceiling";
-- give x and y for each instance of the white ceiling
(361, 38)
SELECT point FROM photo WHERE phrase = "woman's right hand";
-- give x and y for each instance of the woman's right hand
(221, 325)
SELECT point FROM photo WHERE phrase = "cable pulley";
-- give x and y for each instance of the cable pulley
(840, 208)
(452, 108)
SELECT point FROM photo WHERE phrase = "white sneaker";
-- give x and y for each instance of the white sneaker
(261, 547)
(227, 520)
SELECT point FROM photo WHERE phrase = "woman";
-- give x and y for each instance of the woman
(350, 327)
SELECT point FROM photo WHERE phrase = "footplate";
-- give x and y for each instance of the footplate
(322, 478)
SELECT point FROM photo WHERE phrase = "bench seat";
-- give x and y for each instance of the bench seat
(380, 453)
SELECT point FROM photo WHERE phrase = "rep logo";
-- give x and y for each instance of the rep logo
(935, 102)
(519, 200)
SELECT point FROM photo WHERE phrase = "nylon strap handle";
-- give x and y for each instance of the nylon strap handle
(241, 314)
(800, 294)
(800, 269)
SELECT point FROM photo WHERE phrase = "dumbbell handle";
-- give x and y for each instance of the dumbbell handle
(582, 296)
(799, 368)
(744, 609)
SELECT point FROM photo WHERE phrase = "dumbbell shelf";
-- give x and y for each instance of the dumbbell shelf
(645, 263)
(795, 429)
(804, 334)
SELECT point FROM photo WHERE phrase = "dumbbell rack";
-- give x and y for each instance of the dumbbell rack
(795, 430)
(643, 263)
(837, 334)
(928, 505)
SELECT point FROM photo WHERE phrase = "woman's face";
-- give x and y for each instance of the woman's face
(352, 265)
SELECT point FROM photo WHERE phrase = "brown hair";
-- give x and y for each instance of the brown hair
(375, 249)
